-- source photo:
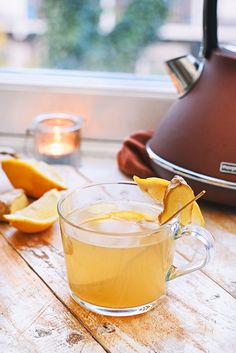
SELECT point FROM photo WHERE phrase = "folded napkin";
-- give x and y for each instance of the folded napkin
(133, 158)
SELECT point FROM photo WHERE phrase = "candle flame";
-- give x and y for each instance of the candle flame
(56, 149)
(57, 143)
(57, 135)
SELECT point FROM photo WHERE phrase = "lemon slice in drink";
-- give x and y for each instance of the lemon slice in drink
(131, 216)
(158, 189)
(38, 216)
(125, 215)
(34, 177)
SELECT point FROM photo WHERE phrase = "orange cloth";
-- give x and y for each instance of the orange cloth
(133, 158)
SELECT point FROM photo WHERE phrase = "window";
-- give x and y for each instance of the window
(104, 35)
(99, 45)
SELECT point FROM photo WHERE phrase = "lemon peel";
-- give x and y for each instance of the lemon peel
(34, 177)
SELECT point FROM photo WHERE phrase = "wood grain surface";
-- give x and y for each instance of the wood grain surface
(198, 314)
(32, 318)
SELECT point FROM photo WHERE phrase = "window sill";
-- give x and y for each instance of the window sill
(112, 105)
(87, 82)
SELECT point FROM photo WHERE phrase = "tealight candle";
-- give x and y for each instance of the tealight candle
(57, 137)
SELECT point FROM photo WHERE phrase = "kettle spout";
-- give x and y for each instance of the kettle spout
(184, 72)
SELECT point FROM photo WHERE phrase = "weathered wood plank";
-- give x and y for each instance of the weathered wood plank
(100, 169)
(192, 317)
(197, 315)
(221, 222)
(31, 318)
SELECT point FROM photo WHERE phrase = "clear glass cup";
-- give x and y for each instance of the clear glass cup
(118, 265)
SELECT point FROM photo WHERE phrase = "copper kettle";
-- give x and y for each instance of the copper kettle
(197, 137)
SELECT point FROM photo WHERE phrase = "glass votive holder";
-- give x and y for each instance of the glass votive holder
(57, 138)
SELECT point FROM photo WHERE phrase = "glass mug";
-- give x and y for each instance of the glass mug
(115, 265)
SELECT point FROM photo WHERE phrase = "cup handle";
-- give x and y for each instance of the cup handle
(207, 240)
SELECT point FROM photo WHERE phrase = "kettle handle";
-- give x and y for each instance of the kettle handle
(210, 39)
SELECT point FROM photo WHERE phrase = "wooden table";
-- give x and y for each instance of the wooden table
(38, 315)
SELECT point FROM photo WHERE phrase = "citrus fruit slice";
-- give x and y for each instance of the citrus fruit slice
(157, 187)
(34, 177)
(122, 215)
(131, 216)
(38, 216)
(197, 217)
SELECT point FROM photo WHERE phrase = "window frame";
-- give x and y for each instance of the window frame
(113, 105)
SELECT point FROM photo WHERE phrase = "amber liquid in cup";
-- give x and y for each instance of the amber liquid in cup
(118, 257)
(121, 276)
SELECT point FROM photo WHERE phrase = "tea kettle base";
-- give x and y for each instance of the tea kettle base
(217, 190)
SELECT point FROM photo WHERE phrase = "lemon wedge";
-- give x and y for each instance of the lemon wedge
(35, 177)
(157, 189)
(197, 217)
(38, 216)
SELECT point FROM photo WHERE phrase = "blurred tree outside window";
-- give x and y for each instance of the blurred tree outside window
(78, 36)
(131, 36)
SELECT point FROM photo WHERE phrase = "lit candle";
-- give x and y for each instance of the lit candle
(58, 144)
(57, 137)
